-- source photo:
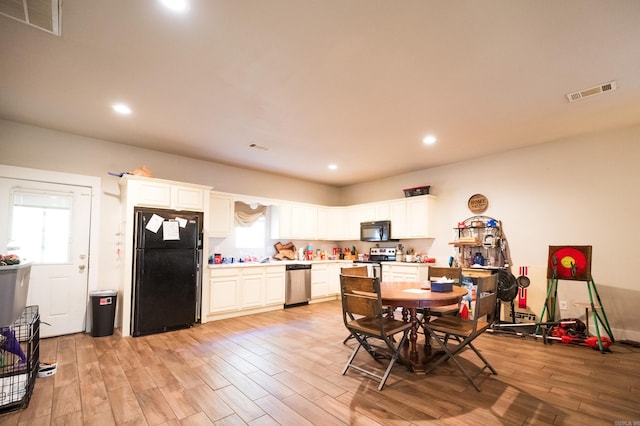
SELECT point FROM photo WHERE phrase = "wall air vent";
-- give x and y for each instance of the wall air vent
(45, 15)
(592, 91)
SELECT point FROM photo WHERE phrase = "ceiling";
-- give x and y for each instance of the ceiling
(356, 83)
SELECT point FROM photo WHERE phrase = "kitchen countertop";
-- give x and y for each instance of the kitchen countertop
(303, 262)
(274, 263)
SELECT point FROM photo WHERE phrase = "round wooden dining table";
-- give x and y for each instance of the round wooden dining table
(411, 296)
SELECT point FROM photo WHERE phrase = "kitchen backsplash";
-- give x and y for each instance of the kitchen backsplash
(226, 247)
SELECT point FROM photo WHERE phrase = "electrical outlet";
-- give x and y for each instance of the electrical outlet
(563, 305)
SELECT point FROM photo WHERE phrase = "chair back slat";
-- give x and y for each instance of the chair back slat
(359, 271)
(360, 296)
(442, 271)
(486, 295)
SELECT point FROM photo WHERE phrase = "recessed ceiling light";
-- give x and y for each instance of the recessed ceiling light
(333, 166)
(429, 140)
(175, 5)
(121, 109)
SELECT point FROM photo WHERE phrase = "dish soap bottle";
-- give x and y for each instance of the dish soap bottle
(478, 259)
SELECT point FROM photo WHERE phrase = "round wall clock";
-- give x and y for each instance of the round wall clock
(569, 263)
(478, 203)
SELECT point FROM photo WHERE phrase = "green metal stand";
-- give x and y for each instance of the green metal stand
(598, 320)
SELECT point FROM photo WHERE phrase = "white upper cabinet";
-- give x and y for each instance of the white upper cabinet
(221, 211)
(188, 197)
(304, 219)
(418, 209)
(352, 221)
(294, 221)
(151, 192)
(281, 221)
(331, 223)
(398, 217)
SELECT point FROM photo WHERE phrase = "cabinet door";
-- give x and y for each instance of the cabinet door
(303, 221)
(319, 281)
(223, 295)
(323, 223)
(367, 212)
(274, 286)
(251, 288)
(337, 221)
(187, 198)
(221, 215)
(383, 211)
(398, 213)
(281, 221)
(152, 194)
(418, 217)
(387, 273)
(330, 223)
(333, 277)
(352, 223)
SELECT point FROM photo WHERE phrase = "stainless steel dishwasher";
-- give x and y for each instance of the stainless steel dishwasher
(297, 284)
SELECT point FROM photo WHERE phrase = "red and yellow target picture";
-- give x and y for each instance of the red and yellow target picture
(569, 263)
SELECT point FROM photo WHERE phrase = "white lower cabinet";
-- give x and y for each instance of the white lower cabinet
(334, 278)
(405, 272)
(245, 290)
(319, 280)
(274, 285)
(325, 279)
(224, 290)
(252, 288)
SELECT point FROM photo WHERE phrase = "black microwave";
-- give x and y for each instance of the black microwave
(375, 231)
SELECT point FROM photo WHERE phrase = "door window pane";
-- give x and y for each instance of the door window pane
(40, 225)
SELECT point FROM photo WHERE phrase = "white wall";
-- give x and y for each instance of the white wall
(39, 148)
(581, 191)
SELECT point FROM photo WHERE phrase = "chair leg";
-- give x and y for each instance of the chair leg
(351, 358)
(394, 358)
(362, 342)
(486, 363)
(449, 354)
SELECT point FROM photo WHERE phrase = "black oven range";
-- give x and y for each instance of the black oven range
(377, 255)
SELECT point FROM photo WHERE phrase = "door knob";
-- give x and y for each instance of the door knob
(82, 267)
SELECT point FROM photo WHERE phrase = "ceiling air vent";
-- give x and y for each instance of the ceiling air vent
(592, 91)
(258, 147)
(42, 14)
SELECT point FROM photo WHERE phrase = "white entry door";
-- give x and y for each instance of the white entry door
(49, 224)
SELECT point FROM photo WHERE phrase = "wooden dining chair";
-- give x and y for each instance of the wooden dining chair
(464, 331)
(358, 271)
(364, 318)
(435, 272)
(454, 273)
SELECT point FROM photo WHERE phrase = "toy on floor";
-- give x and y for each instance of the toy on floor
(10, 344)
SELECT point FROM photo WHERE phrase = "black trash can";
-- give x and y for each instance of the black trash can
(103, 312)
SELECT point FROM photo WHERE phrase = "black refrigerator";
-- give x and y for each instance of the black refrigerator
(167, 268)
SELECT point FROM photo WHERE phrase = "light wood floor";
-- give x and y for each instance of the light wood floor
(284, 367)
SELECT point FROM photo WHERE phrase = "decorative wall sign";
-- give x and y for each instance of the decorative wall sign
(569, 263)
(478, 203)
